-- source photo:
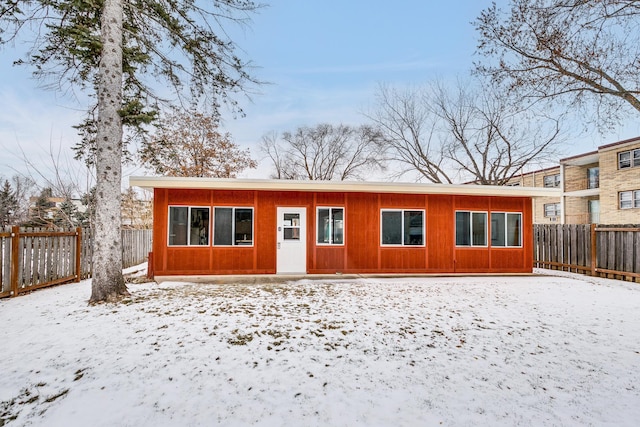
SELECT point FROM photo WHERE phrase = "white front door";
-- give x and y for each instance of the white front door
(291, 252)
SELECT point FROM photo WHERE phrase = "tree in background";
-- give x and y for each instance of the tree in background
(110, 46)
(41, 209)
(9, 205)
(191, 144)
(584, 53)
(136, 211)
(460, 134)
(325, 152)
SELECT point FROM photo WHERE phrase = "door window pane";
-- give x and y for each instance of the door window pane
(291, 226)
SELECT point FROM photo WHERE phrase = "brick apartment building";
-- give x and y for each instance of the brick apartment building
(601, 186)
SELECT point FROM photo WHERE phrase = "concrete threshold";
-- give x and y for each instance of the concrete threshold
(284, 278)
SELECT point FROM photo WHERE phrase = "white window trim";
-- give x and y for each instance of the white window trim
(506, 245)
(557, 210)
(631, 160)
(344, 225)
(633, 199)
(403, 245)
(188, 245)
(233, 226)
(486, 230)
(556, 180)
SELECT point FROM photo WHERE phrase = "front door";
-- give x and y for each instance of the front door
(292, 241)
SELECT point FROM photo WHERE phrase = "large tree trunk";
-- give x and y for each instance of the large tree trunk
(108, 282)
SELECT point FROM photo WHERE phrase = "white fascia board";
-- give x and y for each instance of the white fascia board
(151, 182)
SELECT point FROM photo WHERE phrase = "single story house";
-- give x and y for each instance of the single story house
(206, 226)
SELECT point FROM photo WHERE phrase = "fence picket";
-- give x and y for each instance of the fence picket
(569, 247)
(45, 257)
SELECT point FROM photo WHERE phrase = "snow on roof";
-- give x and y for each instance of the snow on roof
(151, 182)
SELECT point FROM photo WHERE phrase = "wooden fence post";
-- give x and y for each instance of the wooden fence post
(15, 259)
(78, 253)
(594, 254)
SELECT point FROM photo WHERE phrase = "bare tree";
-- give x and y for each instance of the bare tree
(408, 123)
(463, 133)
(585, 53)
(325, 152)
(191, 144)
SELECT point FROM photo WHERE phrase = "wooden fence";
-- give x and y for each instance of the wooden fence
(597, 250)
(32, 259)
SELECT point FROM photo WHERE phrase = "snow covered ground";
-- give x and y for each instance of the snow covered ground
(536, 350)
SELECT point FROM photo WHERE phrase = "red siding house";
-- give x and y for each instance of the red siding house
(205, 226)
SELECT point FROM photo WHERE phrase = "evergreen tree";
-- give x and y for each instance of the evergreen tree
(9, 204)
(109, 47)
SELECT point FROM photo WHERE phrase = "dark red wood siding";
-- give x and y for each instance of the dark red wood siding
(361, 252)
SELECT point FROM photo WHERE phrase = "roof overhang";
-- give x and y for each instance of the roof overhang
(582, 159)
(152, 182)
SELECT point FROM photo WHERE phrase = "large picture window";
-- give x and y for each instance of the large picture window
(402, 227)
(330, 226)
(471, 228)
(188, 226)
(233, 226)
(506, 229)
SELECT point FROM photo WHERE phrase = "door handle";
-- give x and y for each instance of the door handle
(279, 245)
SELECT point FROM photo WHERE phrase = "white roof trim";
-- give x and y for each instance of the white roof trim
(151, 182)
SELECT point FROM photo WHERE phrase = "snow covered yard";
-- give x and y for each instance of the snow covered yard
(538, 350)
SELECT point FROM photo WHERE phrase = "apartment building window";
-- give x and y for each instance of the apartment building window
(551, 180)
(629, 159)
(551, 209)
(629, 199)
(593, 178)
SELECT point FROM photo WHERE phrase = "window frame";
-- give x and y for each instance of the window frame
(402, 244)
(557, 209)
(634, 199)
(506, 229)
(632, 162)
(556, 180)
(486, 229)
(188, 228)
(344, 228)
(233, 244)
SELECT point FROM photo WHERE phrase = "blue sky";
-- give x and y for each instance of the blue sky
(323, 61)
